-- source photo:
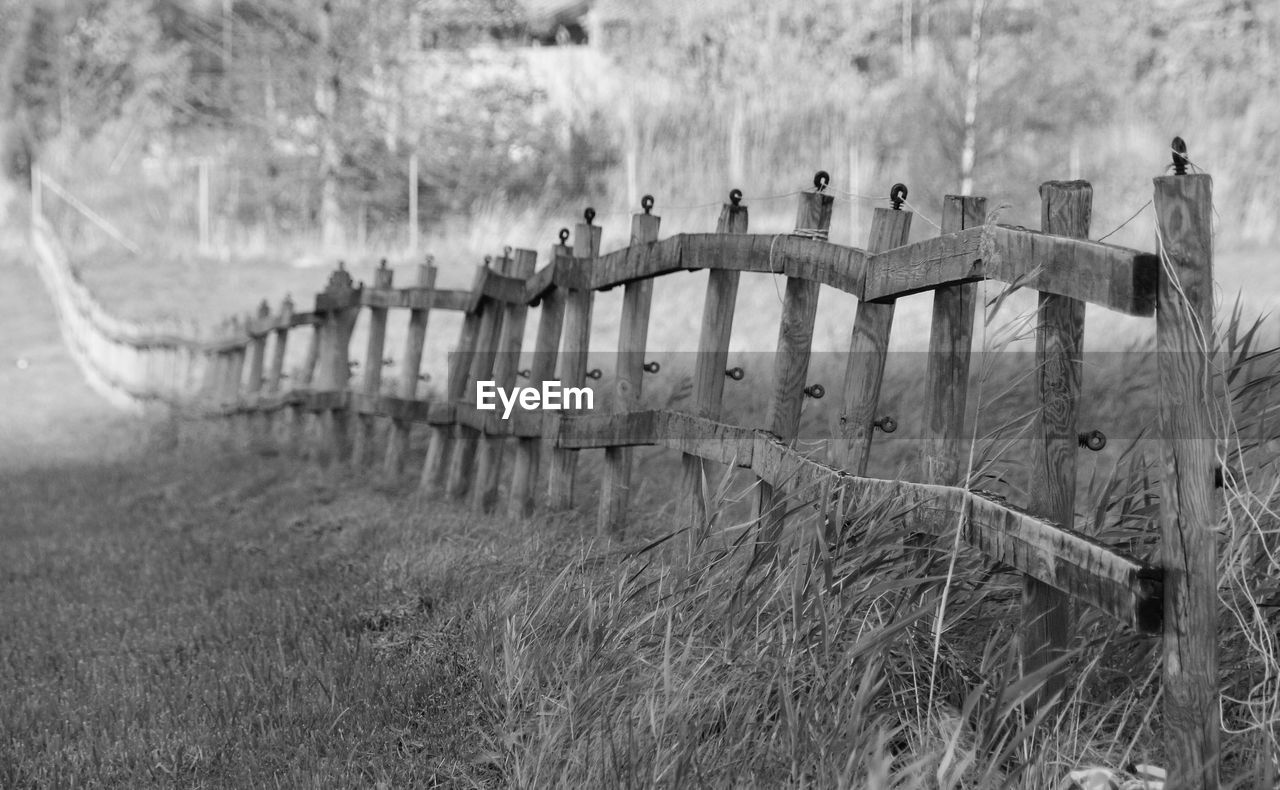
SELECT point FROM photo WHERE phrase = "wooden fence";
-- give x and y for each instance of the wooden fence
(239, 374)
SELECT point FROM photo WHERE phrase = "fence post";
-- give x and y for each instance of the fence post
(791, 362)
(573, 358)
(275, 371)
(410, 363)
(339, 319)
(868, 349)
(505, 368)
(1065, 210)
(467, 439)
(255, 420)
(302, 384)
(633, 336)
(710, 365)
(950, 349)
(524, 479)
(435, 468)
(367, 422)
(1188, 547)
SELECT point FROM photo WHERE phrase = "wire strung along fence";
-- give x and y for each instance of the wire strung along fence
(231, 374)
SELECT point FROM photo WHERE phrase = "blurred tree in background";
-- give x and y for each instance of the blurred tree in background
(311, 109)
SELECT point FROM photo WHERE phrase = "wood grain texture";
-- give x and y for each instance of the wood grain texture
(697, 436)
(950, 349)
(529, 452)
(1065, 209)
(1103, 274)
(1090, 571)
(511, 340)
(850, 446)
(791, 364)
(573, 363)
(709, 366)
(435, 467)
(466, 438)
(1188, 514)
(362, 451)
(410, 366)
(633, 338)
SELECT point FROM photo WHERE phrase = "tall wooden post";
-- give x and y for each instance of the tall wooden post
(633, 338)
(435, 468)
(298, 417)
(573, 360)
(505, 369)
(943, 445)
(712, 360)
(546, 346)
(868, 349)
(340, 307)
(256, 420)
(279, 348)
(467, 439)
(1065, 210)
(1188, 515)
(367, 423)
(410, 363)
(791, 363)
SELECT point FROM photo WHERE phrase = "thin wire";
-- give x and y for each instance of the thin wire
(921, 216)
(1126, 222)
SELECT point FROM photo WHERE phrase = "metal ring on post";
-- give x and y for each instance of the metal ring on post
(821, 179)
(886, 424)
(652, 367)
(646, 203)
(736, 373)
(735, 197)
(815, 391)
(388, 362)
(564, 237)
(897, 196)
(589, 215)
(523, 373)
(594, 373)
(1094, 440)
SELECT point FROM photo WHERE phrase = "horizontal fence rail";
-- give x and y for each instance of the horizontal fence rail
(237, 372)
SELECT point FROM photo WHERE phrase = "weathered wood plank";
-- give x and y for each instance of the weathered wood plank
(1103, 274)
(467, 437)
(633, 337)
(367, 424)
(950, 348)
(697, 436)
(791, 363)
(343, 306)
(1188, 514)
(524, 479)
(507, 364)
(850, 446)
(1090, 571)
(573, 361)
(711, 363)
(1065, 210)
(410, 365)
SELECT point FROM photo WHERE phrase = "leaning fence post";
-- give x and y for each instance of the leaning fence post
(546, 346)
(302, 384)
(1065, 209)
(573, 357)
(435, 467)
(633, 336)
(868, 348)
(505, 369)
(367, 420)
(1188, 547)
(398, 440)
(791, 362)
(275, 372)
(255, 419)
(339, 304)
(710, 365)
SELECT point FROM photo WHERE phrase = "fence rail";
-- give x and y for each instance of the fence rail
(231, 374)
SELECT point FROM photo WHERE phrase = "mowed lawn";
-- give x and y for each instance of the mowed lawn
(213, 620)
